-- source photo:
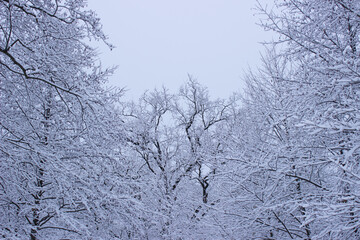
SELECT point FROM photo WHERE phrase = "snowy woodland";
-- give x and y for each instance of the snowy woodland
(279, 161)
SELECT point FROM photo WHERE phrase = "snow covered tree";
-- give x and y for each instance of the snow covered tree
(323, 38)
(175, 141)
(59, 147)
(307, 105)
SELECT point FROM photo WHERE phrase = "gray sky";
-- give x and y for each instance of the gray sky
(160, 42)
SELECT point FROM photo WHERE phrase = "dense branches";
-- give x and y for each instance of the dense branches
(77, 164)
(307, 104)
(59, 155)
(176, 141)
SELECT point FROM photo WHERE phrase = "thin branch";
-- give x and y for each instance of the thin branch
(25, 74)
(307, 180)
(282, 223)
(59, 228)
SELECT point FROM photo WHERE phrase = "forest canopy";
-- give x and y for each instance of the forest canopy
(280, 161)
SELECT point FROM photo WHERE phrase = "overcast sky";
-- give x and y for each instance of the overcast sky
(160, 42)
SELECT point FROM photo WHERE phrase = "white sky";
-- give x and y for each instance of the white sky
(160, 42)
